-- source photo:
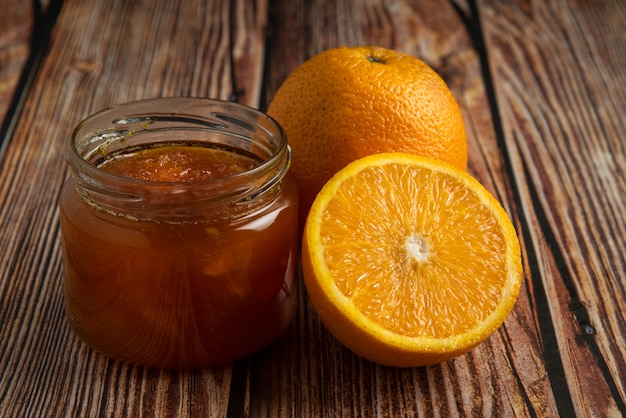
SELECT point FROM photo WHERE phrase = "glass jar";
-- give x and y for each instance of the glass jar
(179, 274)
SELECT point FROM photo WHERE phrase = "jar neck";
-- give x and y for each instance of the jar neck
(178, 121)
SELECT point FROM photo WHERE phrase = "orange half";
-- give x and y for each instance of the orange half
(409, 261)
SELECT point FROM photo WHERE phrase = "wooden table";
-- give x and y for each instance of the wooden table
(542, 86)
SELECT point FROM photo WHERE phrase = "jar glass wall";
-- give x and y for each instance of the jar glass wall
(179, 274)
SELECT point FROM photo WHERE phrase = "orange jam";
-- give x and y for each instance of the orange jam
(178, 163)
(164, 266)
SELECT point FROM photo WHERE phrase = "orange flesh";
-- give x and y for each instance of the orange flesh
(413, 273)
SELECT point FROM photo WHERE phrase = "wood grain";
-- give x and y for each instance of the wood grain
(559, 69)
(16, 24)
(541, 87)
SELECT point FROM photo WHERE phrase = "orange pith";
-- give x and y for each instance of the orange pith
(409, 261)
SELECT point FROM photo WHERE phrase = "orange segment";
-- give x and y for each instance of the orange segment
(409, 261)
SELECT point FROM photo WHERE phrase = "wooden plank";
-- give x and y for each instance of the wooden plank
(308, 367)
(16, 24)
(102, 53)
(558, 70)
(554, 140)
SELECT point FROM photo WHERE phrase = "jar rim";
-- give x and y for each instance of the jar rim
(119, 125)
(75, 156)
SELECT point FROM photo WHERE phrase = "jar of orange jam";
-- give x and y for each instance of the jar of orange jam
(179, 231)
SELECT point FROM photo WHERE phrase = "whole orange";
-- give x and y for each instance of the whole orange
(346, 103)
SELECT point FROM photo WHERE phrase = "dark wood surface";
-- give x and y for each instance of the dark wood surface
(542, 86)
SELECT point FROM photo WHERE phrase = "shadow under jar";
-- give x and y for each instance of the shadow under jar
(179, 273)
